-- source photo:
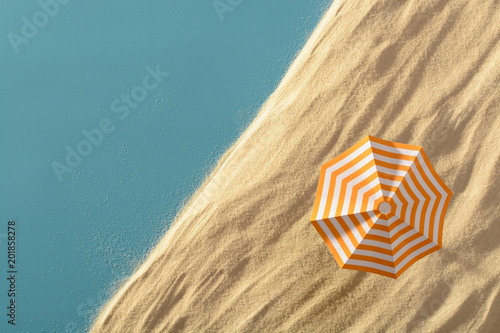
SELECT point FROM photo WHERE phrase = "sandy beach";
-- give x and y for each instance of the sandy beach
(242, 255)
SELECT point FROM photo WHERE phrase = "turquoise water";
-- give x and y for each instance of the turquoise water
(112, 113)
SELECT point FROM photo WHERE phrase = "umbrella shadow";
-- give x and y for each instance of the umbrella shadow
(433, 302)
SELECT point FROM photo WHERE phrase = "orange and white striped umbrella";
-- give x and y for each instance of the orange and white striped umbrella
(380, 206)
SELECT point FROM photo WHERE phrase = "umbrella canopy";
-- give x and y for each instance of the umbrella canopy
(380, 206)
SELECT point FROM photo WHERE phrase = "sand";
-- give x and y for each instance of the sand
(242, 255)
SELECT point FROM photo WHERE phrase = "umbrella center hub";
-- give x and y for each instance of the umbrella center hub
(385, 208)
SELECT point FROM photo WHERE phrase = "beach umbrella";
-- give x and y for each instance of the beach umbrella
(380, 206)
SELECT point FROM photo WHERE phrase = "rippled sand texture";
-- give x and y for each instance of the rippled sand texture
(242, 256)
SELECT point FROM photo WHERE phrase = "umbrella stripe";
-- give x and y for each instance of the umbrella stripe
(394, 172)
(396, 224)
(407, 238)
(391, 177)
(394, 147)
(373, 254)
(387, 181)
(355, 192)
(418, 244)
(419, 201)
(348, 155)
(377, 202)
(429, 179)
(401, 204)
(419, 248)
(372, 259)
(433, 199)
(333, 171)
(359, 221)
(362, 199)
(337, 177)
(392, 155)
(377, 244)
(328, 242)
(347, 235)
(369, 221)
(415, 203)
(328, 168)
(347, 183)
(322, 185)
(345, 231)
(425, 220)
(364, 265)
(355, 228)
(403, 230)
(425, 251)
(368, 198)
(330, 239)
(417, 241)
(373, 248)
(424, 200)
(342, 191)
(380, 232)
(392, 166)
(442, 188)
(378, 238)
(429, 168)
(380, 227)
(408, 204)
(404, 238)
(436, 197)
(339, 234)
(388, 189)
(393, 161)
